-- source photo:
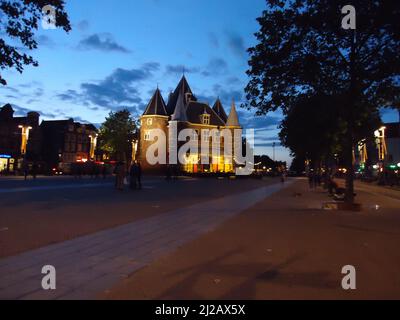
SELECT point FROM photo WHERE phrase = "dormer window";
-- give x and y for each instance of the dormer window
(149, 121)
(205, 119)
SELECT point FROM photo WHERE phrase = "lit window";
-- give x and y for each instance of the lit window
(149, 121)
(147, 135)
(206, 119)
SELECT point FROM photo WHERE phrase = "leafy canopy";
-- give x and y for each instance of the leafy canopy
(117, 133)
(19, 19)
(303, 50)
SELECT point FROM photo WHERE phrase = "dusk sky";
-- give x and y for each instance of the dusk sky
(118, 51)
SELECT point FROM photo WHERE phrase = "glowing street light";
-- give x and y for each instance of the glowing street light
(380, 138)
(24, 137)
(93, 144)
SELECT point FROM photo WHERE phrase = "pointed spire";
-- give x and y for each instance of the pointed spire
(219, 110)
(182, 88)
(233, 119)
(180, 110)
(156, 105)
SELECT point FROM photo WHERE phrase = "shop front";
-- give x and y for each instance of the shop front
(7, 163)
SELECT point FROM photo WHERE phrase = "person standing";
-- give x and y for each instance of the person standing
(132, 175)
(34, 170)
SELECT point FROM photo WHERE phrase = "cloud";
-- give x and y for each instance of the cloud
(102, 42)
(116, 91)
(21, 111)
(262, 124)
(226, 94)
(179, 69)
(236, 44)
(45, 41)
(216, 66)
(82, 25)
(213, 39)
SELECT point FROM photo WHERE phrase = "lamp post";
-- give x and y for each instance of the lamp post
(134, 149)
(93, 144)
(24, 137)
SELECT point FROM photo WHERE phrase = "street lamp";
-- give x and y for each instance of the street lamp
(93, 144)
(24, 137)
(134, 149)
(380, 137)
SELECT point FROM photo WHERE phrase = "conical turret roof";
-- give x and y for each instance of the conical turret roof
(182, 88)
(156, 105)
(233, 119)
(219, 110)
(180, 110)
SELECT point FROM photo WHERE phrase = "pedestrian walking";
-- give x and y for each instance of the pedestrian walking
(283, 177)
(135, 174)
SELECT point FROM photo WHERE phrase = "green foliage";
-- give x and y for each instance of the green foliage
(117, 133)
(303, 53)
(302, 50)
(18, 21)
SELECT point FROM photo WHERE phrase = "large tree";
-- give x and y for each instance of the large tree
(303, 51)
(19, 19)
(117, 134)
(312, 129)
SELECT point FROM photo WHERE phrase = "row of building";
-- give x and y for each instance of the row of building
(25, 141)
(59, 144)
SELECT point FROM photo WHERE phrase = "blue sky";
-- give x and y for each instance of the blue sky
(118, 51)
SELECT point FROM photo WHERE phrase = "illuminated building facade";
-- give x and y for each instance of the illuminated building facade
(19, 139)
(184, 111)
(65, 142)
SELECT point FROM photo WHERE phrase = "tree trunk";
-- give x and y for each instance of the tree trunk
(349, 196)
(349, 144)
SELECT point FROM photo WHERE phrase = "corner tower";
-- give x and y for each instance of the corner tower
(154, 117)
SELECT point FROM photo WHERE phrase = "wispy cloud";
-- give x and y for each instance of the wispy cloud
(116, 91)
(236, 44)
(179, 69)
(216, 66)
(102, 42)
(213, 39)
(83, 25)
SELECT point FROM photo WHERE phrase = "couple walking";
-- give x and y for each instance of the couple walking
(135, 175)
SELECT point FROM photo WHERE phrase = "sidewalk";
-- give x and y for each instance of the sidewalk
(284, 247)
(91, 264)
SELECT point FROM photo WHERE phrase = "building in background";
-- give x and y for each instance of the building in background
(185, 111)
(65, 142)
(392, 133)
(19, 139)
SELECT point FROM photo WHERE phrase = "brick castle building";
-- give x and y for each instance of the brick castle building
(184, 111)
